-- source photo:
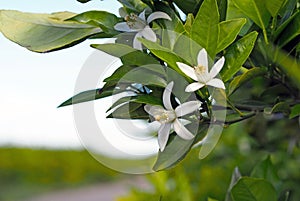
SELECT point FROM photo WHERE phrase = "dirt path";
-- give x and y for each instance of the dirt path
(100, 192)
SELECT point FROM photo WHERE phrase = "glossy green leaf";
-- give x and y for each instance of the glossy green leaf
(266, 170)
(295, 111)
(274, 6)
(127, 54)
(222, 6)
(237, 54)
(238, 81)
(290, 32)
(174, 152)
(187, 6)
(134, 5)
(163, 53)
(89, 95)
(253, 189)
(205, 28)
(103, 19)
(229, 30)
(129, 110)
(256, 11)
(44, 32)
(234, 12)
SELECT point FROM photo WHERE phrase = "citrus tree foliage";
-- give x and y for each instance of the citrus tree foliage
(174, 51)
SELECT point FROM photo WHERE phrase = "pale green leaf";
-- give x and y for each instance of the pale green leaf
(238, 81)
(228, 32)
(266, 170)
(295, 111)
(274, 6)
(44, 32)
(205, 28)
(256, 11)
(237, 54)
(253, 189)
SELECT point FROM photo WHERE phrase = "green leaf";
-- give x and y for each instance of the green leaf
(228, 32)
(256, 11)
(174, 152)
(238, 81)
(236, 175)
(103, 19)
(129, 110)
(266, 170)
(210, 141)
(189, 22)
(283, 26)
(127, 54)
(253, 189)
(288, 64)
(163, 53)
(211, 199)
(274, 6)
(205, 28)
(234, 12)
(44, 32)
(89, 95)
(143, 99)
(237, 54)
(281, 107)
(187, 6)
(290, 32)
(295, 111)
(134, 5)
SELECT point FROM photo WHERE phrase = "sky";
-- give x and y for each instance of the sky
(32, 85)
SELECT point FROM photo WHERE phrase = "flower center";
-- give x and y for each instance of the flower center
(201, 73)
(166, 117)
(200, 69)
(134, 22)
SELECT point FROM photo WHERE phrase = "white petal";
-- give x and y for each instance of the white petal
(158, 15)
(217, 67)
(122, 26)
(142, 15)
(202, 58)
(149, 34)
(167, 96)
(187, 108)
(194, 87)
(186, 69)
(163, 135)
(136, 43)
(122, 12)
(182, 131)
(216, 83)
(154, 110)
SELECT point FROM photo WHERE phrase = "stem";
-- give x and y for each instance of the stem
(234, 108)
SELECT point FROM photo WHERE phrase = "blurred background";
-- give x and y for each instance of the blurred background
(41, 154)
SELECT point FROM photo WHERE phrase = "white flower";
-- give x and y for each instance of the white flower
(168, 117)
(140, 25)
(200, 73)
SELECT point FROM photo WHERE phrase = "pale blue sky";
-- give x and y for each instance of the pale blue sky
(32, 85)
